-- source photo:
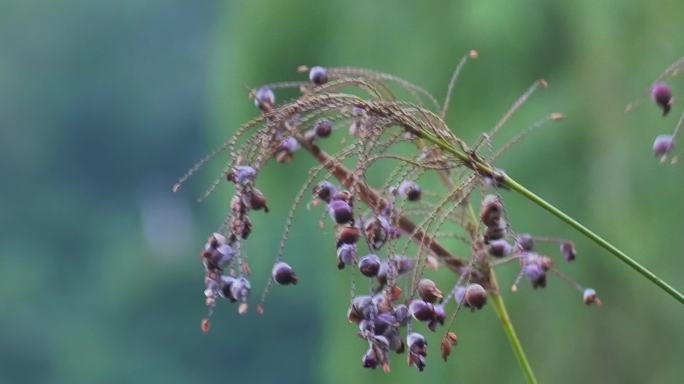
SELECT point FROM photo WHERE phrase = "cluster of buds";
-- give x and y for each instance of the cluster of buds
(370, 225)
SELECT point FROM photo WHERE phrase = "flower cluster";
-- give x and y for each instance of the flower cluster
(392, 231)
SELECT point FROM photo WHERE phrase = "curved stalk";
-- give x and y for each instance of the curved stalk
(507, 325)
(476, 164)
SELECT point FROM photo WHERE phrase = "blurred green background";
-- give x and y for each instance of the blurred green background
(104, 104)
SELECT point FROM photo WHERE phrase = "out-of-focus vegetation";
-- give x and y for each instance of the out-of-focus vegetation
(104, 104)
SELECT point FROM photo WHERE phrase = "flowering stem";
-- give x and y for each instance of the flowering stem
(500, 309)
(476, 164)
(514, 185)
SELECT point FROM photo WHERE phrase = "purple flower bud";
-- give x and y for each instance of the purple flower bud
(242, 174)
(323, 128)
(567, 249)
(287, 148)
(404, 264)
(226, 285)
(662, 96)
(377, 231)
(369, 265)
(318, 75)
(255, 200)
(440, 314)
(346, 253)
(283, 274)
(384, 322)
(475, 296)
(401, 314)
(417, 346)
(662, 145)
(589, 297)
(340, 211)
(240, 289)
(495, 232)
(524, 242)
(421, 310)
(264, 98)
(499, 248)
(369, 360)
(325, 190)
(535, 273)
(409, 190)
(362, 308)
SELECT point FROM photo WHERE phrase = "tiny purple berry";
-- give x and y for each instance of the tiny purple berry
(421, 310)
(369, 265)
(535, 273)
(524, 242)
(283, 274)
(340, 211)
(662, 96)
(318, 75)
(264, 98)
(475, 296)
(662, 145)
(499, 248)
(567, 249)
(323, 128)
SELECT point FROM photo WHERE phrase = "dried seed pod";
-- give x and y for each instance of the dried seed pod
(255, 200)
(499, 248)
(323, 128)
(567, 249)
(428, 291)
(662, 96)
(421, 310)
(492, 210)
(318, 75)
(524, 243)
(448, 342)
(495, 232)
(264, 98)
(348, 235)
(369, 265)
(546, 263)
(475, 296)
(283, 274)
(340, 211)
(377, 231)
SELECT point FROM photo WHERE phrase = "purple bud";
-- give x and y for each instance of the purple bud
(417, 350)
(404, 264)
(662, 96)
(324, 191)
(524, 242)
(499, 248)
(589, 297)
(475, 296)
(401, 314)
(377, 231)
(535, 273)
(323, 128)
(567, 249)
(662, 145)
(362, 308)
(264, 98)
(369, 265)
(421, 310)
(240, 288)
(318, 75)
(346, 253)
(283, 274)
(495, 232)
(242, 174)
(369, 360)
(347, 235)
(409, 190)
(384, 322)
(340, 211)
(226, 285)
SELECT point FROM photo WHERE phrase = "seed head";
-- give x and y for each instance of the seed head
(662, 96)
(369, 265)
(475, 296)
(567, 249)
(264, 98)
(318, 75)
(428, 291)
(283, 274)
(323, 128)
(662, 145)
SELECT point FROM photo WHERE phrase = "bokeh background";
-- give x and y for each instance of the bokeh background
(104, 104)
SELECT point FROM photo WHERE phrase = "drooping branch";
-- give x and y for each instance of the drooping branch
(375, 201)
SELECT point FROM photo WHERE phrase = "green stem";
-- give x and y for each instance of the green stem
(483, 168)
(514, 185)
(500, 309)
